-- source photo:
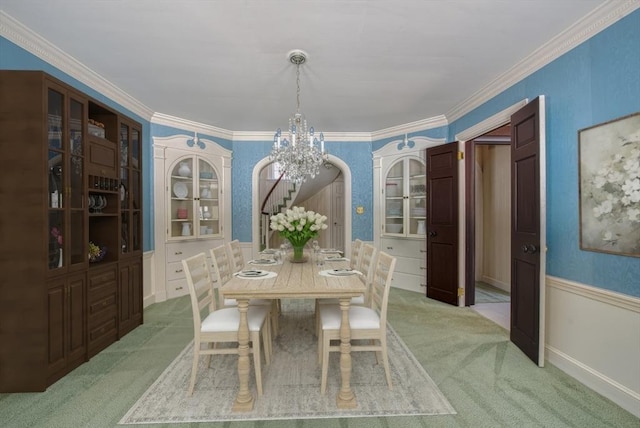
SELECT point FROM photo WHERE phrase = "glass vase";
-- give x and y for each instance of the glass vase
(298, 254)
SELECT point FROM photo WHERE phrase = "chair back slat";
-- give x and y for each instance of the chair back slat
(381, 284)
(222, 269)
(237, 258)
(367, 258)
(354, 259)
(200, 285)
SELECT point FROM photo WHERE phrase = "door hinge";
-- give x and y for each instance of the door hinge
(460, 292)
(460, 155)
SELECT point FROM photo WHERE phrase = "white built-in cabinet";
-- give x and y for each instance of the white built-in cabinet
(400, 208)
(192, 201)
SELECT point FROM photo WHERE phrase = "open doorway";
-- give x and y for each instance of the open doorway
(490, 190)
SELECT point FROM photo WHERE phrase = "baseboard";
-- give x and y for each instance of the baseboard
(498, 284)
(592, 335)
(614, 391)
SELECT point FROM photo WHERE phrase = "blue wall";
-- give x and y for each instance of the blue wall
(596, 82)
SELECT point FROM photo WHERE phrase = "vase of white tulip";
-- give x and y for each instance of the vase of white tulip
(298, 227)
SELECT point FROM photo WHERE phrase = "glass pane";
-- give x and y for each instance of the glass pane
(135, 190)
(137, 231)
(76, 109)
(56, 239)
(124, 145)
(77, 198)
(56, 181)
(55, 109)
(76, 240)
(417, 197)
(124, 188)
(124, 232)
(135, 149)
(394, 201)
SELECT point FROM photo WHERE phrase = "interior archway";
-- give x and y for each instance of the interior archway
(255, 201)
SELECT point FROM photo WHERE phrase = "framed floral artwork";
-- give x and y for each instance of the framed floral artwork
(610, 186)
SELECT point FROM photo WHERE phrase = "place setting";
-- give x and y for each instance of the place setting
(255, 274)
(340, 272)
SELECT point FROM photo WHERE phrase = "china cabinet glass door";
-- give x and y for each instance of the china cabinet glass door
(129, 190)
(194, 195)
(66, 196)
(77, 195)
(405, 198)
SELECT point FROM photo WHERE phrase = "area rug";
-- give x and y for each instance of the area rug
(291, 383)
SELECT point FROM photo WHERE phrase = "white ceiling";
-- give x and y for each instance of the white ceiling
(372, 64)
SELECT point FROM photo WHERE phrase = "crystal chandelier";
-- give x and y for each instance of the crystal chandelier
(301, 154)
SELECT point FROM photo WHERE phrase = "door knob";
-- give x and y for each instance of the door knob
(433, 233)
(529, 249)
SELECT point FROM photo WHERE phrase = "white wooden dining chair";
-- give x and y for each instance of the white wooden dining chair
(223, 272)
(354, 258)
(366, 256)
(237, 258)
(213, 325)
(368, 324)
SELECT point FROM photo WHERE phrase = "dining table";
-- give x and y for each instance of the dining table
(286, 279)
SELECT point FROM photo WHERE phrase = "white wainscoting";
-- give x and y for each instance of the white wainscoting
(148, 279)
(594, 336)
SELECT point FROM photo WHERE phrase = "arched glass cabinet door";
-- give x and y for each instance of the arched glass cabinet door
(194, 194)
(394, 206)
(405, 198)
(209, 200)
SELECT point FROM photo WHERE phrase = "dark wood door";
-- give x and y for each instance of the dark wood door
(442, 223)
(526, 287)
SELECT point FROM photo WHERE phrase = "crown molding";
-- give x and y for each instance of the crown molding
(190, 125)
(419, 125)
(16, 32)
(356, 137)
(594, 22)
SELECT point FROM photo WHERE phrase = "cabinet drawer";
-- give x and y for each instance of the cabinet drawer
(175, 271)
(102, 281)
(181, 250)
(408, 282)
(102, 335)
(410, 266)
(177, 288)
(102, 307)
(413, 248)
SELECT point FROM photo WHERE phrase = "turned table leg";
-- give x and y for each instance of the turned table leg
(244, 399)
(346, 398)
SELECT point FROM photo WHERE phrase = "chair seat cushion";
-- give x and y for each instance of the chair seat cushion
(228, 319)
(360, 317)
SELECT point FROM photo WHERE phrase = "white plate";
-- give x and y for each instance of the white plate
(252, 273)
(263, 262)
(180, 189)
(342, 272)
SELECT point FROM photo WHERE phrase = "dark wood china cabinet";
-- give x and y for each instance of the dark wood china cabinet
(71, 227)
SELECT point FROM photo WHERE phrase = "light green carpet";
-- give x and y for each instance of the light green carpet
(488, 381)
